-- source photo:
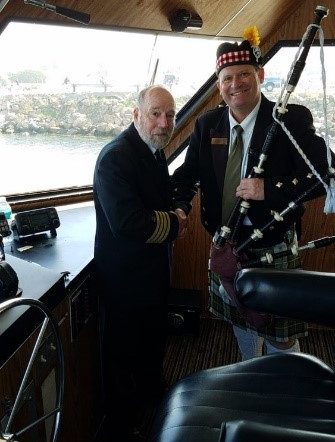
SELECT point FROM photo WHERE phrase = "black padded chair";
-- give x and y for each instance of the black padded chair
(280, 397)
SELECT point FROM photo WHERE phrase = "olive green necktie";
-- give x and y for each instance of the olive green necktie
(232, 176)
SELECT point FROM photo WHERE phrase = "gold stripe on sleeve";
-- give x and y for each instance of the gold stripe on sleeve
(165, 227)
(162, 228)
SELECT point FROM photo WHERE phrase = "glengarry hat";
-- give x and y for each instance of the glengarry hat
(246, 52)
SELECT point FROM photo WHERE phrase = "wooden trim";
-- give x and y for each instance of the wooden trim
(58, 197)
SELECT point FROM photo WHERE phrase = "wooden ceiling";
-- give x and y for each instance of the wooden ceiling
(275, 19)
(220, 17)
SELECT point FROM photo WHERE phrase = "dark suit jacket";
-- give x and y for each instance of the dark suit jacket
(133, 231)
(286, 175)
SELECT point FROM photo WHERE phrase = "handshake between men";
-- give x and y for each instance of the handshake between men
(182, 218)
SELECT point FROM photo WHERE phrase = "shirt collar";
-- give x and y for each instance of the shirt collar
(153, 150)
(248, 123)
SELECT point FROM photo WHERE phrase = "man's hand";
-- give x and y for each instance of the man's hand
(182, 218)
(251, 189)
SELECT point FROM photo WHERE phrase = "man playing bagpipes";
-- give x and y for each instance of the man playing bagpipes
(224, 149)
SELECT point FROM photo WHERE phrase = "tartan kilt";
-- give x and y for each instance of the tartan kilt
(278, 329)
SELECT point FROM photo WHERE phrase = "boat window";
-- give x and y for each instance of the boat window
(309, 90)
(67, 91)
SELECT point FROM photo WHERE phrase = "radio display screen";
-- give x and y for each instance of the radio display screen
(39, 219)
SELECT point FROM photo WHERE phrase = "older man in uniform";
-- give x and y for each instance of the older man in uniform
(135, 227)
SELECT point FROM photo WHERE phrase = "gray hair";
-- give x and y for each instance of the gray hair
(144, 92)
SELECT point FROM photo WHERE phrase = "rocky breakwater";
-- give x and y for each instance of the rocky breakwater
(99, 114)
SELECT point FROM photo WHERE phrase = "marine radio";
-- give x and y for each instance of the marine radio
(34, 221)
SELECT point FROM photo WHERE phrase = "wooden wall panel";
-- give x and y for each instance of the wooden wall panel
(190, 257)
(316, 225)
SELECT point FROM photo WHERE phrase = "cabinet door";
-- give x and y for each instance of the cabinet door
(83, 391)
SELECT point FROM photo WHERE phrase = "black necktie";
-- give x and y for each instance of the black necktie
(163, 172)
(160, 158)
(233, 175)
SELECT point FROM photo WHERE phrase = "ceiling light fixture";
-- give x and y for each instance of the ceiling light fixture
(182, 19)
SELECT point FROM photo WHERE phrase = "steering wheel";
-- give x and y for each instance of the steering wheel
(10, 432)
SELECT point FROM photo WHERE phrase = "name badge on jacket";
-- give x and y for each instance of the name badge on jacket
(219, 141)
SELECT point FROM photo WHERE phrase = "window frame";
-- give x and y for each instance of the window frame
(72, 195)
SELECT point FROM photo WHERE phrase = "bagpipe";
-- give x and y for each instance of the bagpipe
(268, 258)
(226, 256)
